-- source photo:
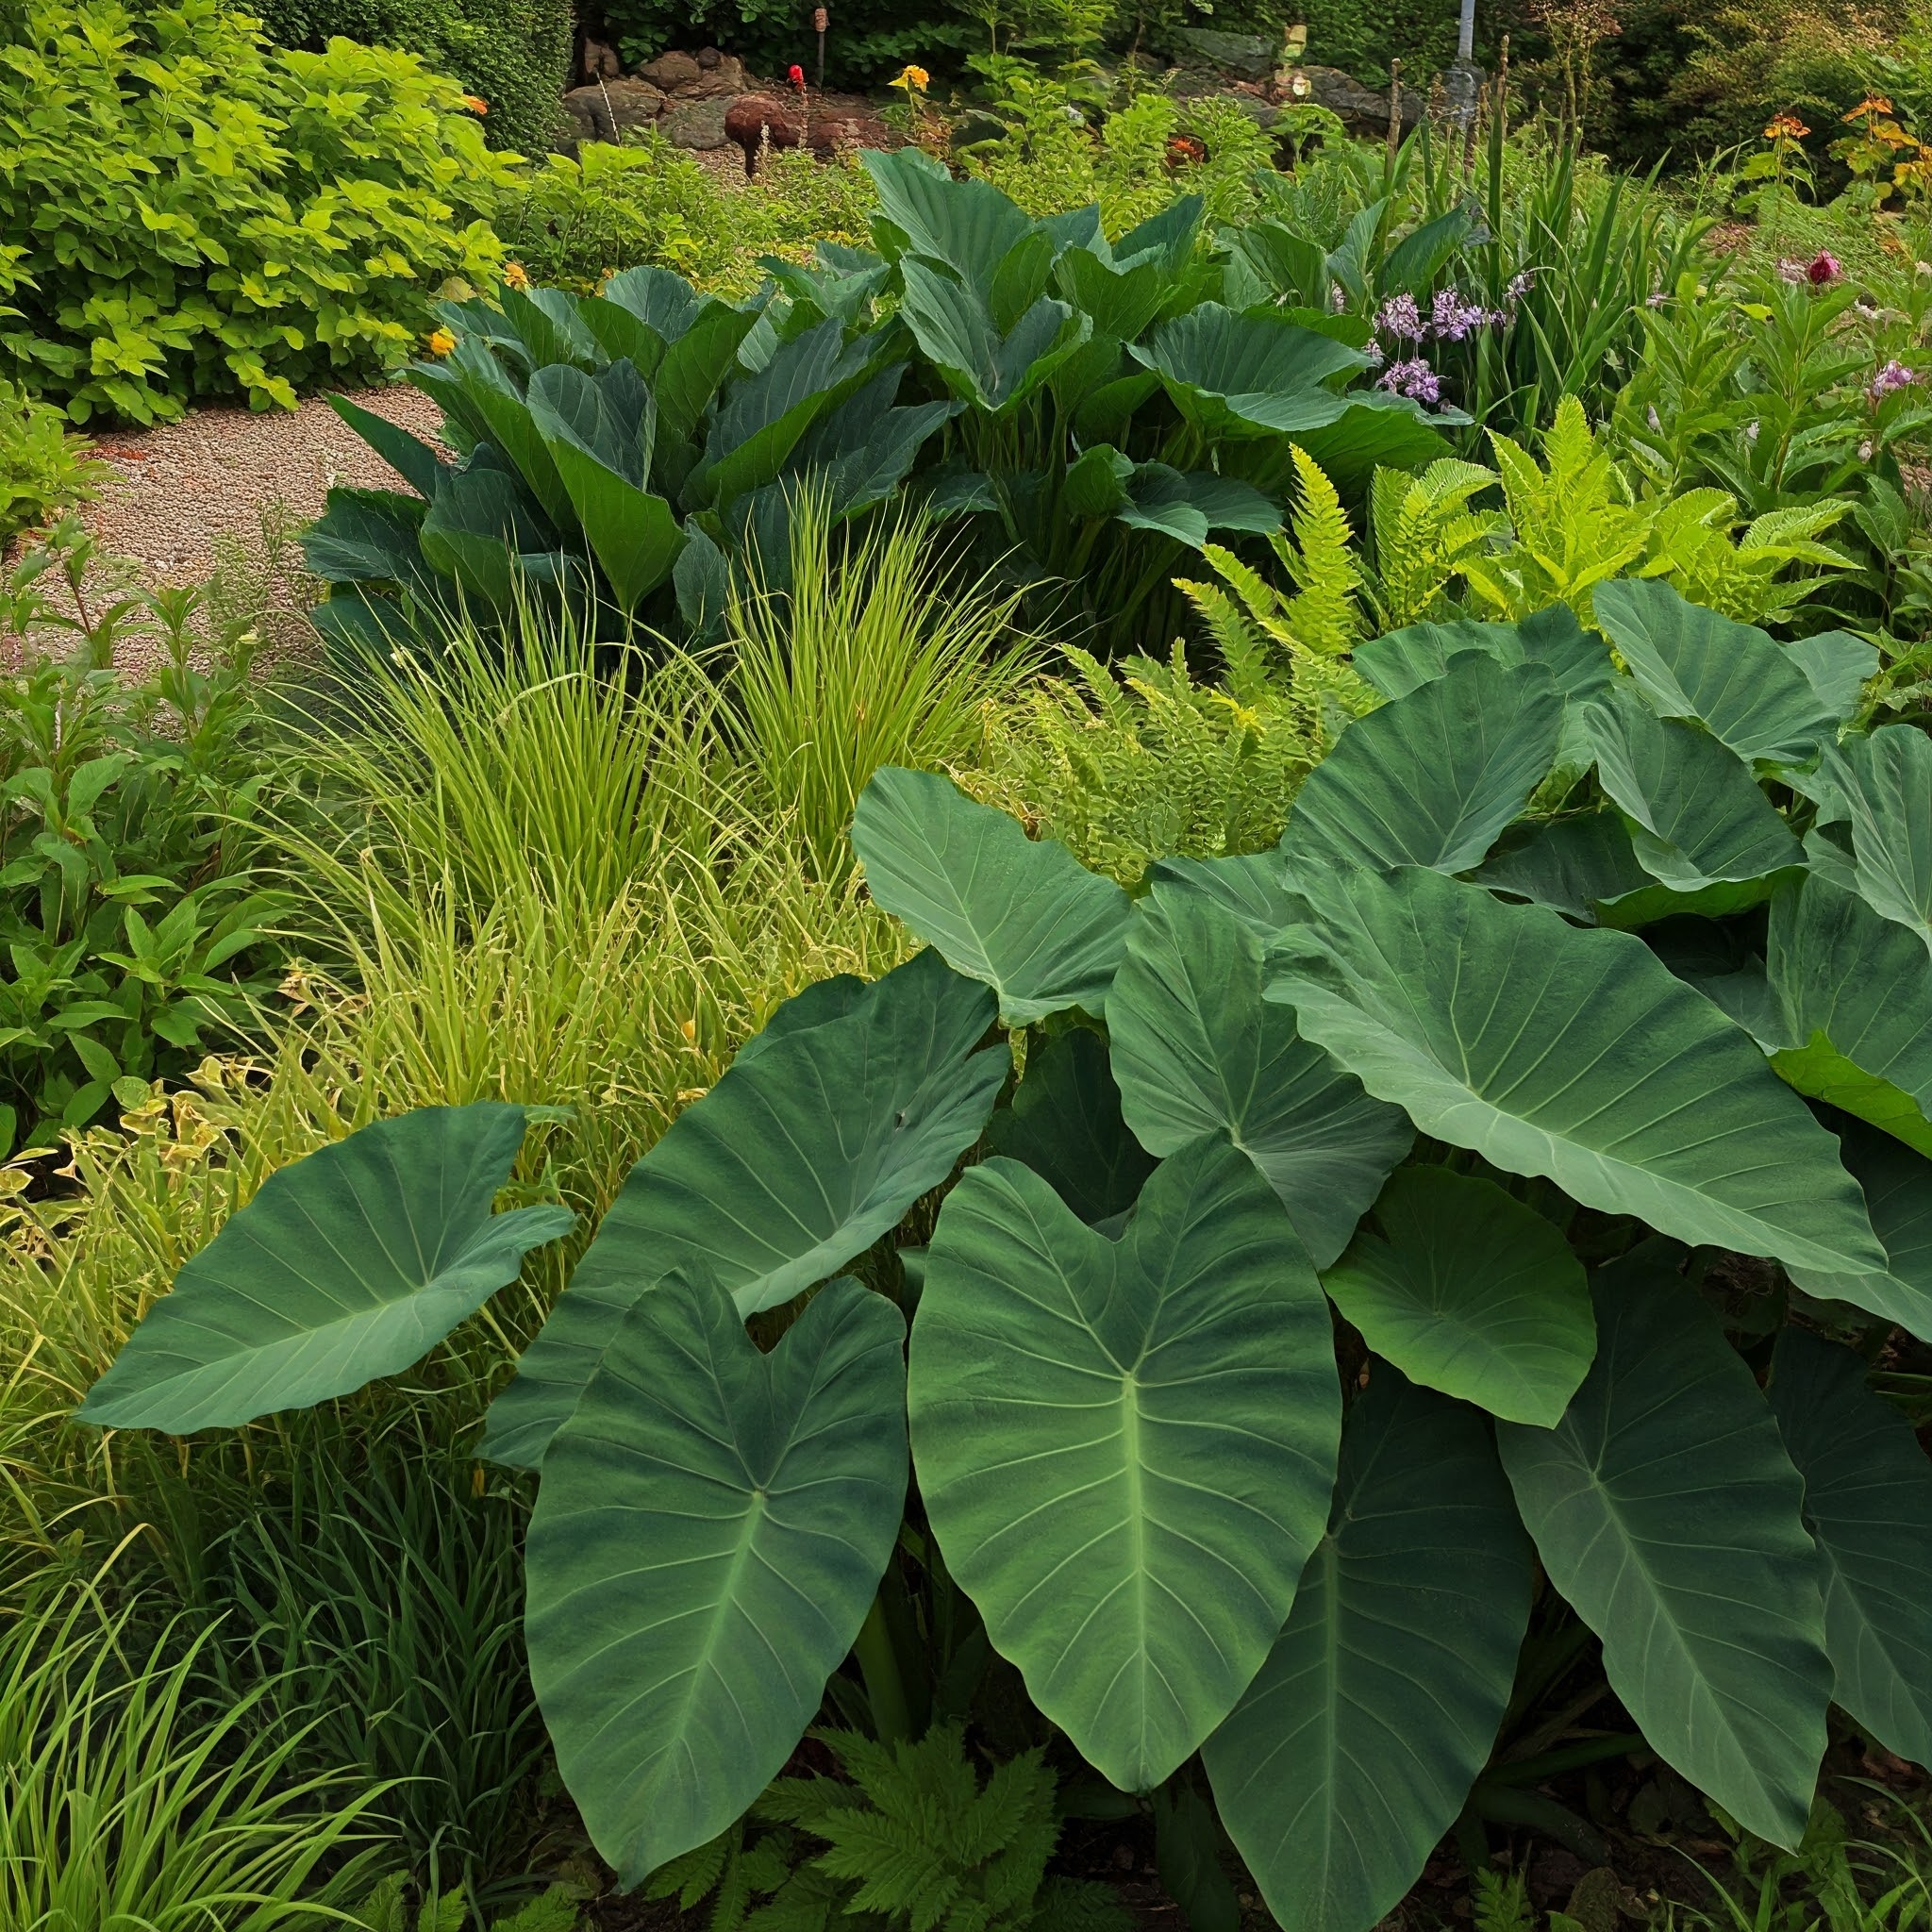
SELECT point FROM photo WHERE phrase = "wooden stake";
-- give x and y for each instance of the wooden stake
(1394, 106)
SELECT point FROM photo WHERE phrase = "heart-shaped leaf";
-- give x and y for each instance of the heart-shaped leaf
(1897, 1184)
(1023, 915)
(710, 1531)
(348, 1264)
(1352, 1752)
(1868, 1501)
(796, 1162)
(1665, 1509)
(1431, 778)
(1883, 787)
(1469, 1291)
(1125, 1447)
(1066, 1125)
(1572, 1053)
(1196, 1051)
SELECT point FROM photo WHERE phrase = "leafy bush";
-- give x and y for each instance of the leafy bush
(128, 900)
(44, 467)
(514, 55)
(261, 221)
(1540, 1009)
(646, 438)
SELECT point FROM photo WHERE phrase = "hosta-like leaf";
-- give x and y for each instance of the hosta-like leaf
(1883, 786)
(1578, 660)
(1855, 991)
(1694, 663)
(1868, 1501)
(1431, 778)
(796, 1162)
(1066, 1125)
(1023, 915)
(1699, 823)
(1467, 1290)
(1665, 1509)
(1836, 663)
(1198, 1051)
(1352, 1752)
(348, 1264)
(709, 1534)
(1572, 1053)
(1125, 1447)
(1898, 1191)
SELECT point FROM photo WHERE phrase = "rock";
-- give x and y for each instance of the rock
(1363, 109)
(696, 125)
(708, 57)
(1256, 109)
(832, 134)
(600, 61)
(1252, 55)
(726, 79)
(669, 70)
(609, 109)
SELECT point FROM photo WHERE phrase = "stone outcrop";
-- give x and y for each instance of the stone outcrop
(610, 110)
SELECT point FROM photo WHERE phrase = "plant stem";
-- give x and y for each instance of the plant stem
(885, 1686)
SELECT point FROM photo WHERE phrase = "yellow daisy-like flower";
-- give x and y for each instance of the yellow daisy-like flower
(441, 342)
(516, 274)
(914, 79)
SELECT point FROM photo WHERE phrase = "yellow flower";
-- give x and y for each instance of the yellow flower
(516, 274)
(914, 79)
(441, 342)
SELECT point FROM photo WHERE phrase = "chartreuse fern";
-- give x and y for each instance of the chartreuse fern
(1420, 531)
(913, 1842)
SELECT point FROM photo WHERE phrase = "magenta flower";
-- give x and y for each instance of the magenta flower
(1400, 318)
(1823, 269)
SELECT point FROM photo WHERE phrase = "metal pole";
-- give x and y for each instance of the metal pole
(1463, 79)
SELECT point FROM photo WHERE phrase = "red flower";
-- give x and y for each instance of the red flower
(795, 74)
(1824, 269)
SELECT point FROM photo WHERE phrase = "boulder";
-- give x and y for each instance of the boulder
(670, 71)
(599, 61)
(1363, 109)
(1251, 55)
(725, 77)
(609, 109)
(696, 125)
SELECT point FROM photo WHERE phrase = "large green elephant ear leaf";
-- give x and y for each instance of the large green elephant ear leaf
(1125, 1447)
(1854, 989)
(1468, 1291)
(1023, 915)
(796, 1162)
(1065, 1123)
(1352, 1752)
(1571, 1053)
(710, 1531)
(1665, 1509)
(348, 1264)
(1898, 1192)
(1694, 663)
(1197, 1050)
(1433, 778)
(1698, 822)
(1882, 786)
(1868, 1501)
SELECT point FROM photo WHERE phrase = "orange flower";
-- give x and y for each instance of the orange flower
(476, 104)
(913, 78)
(441, 342)
(516, 274)
(1871, 104)
(1785, 128)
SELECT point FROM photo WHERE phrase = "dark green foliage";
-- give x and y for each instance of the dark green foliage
(913, 1842)
(514, 54)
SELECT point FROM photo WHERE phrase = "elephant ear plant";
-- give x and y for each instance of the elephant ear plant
(1092, 406)
(1352, 1273)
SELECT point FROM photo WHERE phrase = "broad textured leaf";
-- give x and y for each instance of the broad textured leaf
(367, 537)
(1187, 507)
(796, 1161)
(969, 226)
(993, 367)
(348, 1264)
(1836, 663)
(1125, 1447)
(1249, 375)
(1868, 1501)
(1854, 990)
(1431, 778)
(1665, 1509)
(1699, 823)
(709, 1534)
(414, 460)
(1572, 1053)
(1197, 1050)
(1694, 663)
(1065, 1124)
(1883, 786)
(1575, 865)
(1578, 660)
(1023, 915)
(1897, 1184)
(1254, 886)
(1467, 1290)
(1352, 1752)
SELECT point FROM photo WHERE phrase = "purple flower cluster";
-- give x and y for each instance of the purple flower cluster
(1400, 318)
(1895, 375)
(1414, 379)
(1452, 319)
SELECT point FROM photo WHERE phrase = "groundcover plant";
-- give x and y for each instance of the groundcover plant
(1491, 1176)
(1097, 407)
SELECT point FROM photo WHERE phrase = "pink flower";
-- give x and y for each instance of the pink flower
(1895, 375)
(1823, 269)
